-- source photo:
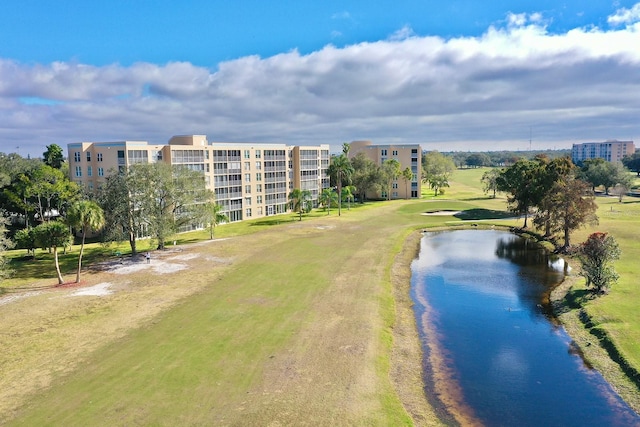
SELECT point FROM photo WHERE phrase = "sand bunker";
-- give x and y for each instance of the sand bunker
(441, 213)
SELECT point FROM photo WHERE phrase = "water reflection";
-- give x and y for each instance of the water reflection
(491, 354)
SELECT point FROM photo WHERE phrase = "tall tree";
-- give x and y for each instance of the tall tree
(391, 170)
(121, 199)
(54, 156)
(572, 206)
(624, 182)
(50, 191)
(366, 176)
(632, 162)
(169, 196)
(54, 235)
(546, 175)
(596, 256)
(86, 216)
(436, 170)
(519, 181)
(490, 181)
(599, 172)
(340, 170)
(407, 174)
(300, 201)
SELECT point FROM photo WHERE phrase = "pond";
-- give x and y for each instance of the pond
(494, 354)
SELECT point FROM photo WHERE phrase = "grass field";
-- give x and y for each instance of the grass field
(275, 322)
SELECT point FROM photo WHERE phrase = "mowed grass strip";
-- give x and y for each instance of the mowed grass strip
(291, 332)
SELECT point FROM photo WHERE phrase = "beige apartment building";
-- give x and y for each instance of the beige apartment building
(409, 155)
(611, 150)
(250, 180)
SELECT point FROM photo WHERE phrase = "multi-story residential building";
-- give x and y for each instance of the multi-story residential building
(250, 180)
(611, 150)
(409, 155)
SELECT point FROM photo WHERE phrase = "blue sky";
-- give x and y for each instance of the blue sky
(452, 75)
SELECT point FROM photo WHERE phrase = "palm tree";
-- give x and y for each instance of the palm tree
(327, 198)
(340, 170)
(407, 175)
(85, 215)
(214, 216)
(347, 192)
(300, 200)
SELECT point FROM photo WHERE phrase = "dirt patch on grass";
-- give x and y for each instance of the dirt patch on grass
(49, 333)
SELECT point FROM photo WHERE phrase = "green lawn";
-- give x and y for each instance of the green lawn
(298, 327)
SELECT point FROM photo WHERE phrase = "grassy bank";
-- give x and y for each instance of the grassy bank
(275, 321)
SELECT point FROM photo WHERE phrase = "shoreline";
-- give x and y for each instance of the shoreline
(594, 349)
(407, 354)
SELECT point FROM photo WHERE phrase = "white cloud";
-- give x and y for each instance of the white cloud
(403, 33)
(462, 93)
(625, 16)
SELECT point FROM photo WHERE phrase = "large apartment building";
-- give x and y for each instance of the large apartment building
(611, 150)
(250, 180)
(409, 155)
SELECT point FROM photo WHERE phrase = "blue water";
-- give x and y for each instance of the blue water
(491, 347)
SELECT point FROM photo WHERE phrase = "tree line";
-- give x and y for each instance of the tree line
(560, 198)
(42, 208)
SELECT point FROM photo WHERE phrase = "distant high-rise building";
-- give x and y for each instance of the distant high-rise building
(611, 150)
(250, 180)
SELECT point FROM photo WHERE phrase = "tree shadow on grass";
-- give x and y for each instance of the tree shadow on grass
(575, 299)
(477, 214)
(270, 222)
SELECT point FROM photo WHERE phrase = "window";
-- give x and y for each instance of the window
(247, 201)
(258, 199)
(247, 154)
(99, 155)
(76, 156)
(394, 185)
(383, 152)
(89, 170)
(247, 177)
(394, 153)
(258, 176)
(247, 166)
(259, 188)
(90, 186)
(100, 172)
(247, 212)
(88, 156)
(258, 154)
(78, 170)
(247, 189)
(258, 165)
(137, 156)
